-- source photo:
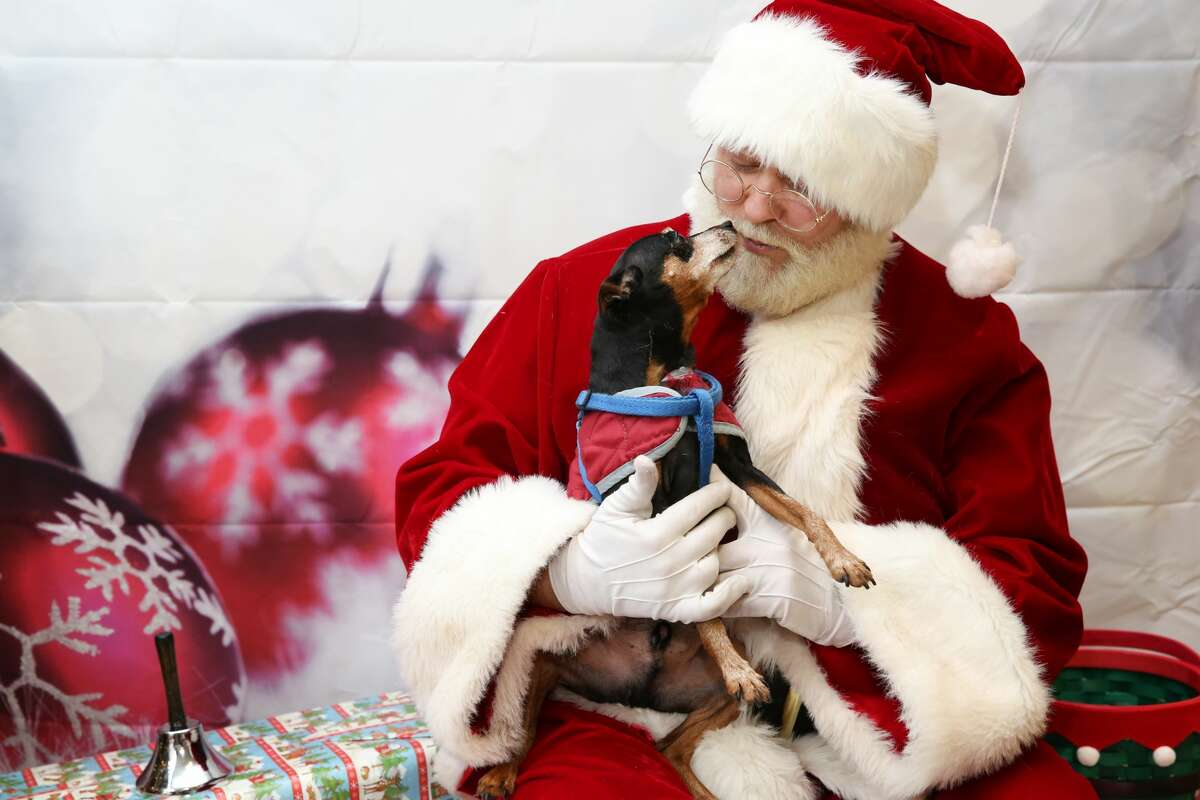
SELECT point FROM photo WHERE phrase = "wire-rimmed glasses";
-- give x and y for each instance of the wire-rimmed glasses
(792, 208)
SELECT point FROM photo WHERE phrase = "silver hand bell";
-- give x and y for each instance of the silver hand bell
(182, 760)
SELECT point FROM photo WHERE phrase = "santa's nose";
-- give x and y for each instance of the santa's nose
(757, 206)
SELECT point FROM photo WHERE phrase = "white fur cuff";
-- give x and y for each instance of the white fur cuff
(951, 650)
(455, 625)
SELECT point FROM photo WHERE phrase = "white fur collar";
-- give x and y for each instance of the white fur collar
(805, 382)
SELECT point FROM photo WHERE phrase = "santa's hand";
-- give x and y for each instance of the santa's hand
(789, 582)
(629, 564)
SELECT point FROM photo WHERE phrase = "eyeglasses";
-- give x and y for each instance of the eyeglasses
(792, 208)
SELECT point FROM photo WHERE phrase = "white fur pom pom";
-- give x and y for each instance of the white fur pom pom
(981, 263)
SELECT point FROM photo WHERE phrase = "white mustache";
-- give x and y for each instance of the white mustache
(765, 235)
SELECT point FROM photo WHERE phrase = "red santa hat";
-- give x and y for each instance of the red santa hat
(835, 94)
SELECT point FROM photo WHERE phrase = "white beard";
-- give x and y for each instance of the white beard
(759, 287)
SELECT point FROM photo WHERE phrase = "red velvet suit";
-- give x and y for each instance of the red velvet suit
(955, 438)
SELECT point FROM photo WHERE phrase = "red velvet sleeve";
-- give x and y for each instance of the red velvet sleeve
(498, 419)
(1009, 510)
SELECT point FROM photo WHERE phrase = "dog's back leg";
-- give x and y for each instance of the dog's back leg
(733, 457)
(680, 744)
(500, 780)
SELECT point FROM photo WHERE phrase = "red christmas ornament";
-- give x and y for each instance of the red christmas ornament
(274, 452)
(88, 579)
(29, 422)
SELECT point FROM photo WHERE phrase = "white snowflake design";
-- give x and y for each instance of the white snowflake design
(103, 724)
(234, 711)
(298, 494)
(110, 565)
(422, 395)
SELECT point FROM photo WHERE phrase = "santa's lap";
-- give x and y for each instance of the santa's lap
(589, 756)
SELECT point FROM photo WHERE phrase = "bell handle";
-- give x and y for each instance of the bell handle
(165, 644)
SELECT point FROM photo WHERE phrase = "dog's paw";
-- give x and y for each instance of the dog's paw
(498, 782)
(849, 570)
(746, 685)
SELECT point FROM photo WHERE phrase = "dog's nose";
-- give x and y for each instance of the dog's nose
(727, 225)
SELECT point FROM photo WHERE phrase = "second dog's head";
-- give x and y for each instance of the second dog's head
(660, 284)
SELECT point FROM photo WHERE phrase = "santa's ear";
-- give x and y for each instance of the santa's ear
(618, 287)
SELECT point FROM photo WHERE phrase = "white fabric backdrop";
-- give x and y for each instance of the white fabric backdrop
(169, 168)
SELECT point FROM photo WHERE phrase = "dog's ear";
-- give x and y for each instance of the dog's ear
(618, 287)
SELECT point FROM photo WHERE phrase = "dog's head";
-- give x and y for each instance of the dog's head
(666, 279)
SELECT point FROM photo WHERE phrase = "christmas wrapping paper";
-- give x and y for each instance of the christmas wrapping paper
(376, 747)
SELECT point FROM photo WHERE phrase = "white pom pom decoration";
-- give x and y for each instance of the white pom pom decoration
(1164, 756)
(982, 263)
(1087, 756)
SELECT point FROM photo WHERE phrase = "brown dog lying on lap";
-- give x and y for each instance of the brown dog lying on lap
(648, 307)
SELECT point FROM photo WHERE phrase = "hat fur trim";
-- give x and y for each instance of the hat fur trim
(779, 88)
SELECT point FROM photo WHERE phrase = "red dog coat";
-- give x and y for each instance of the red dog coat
(609, 441)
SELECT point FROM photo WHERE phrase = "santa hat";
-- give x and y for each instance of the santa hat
(835, 94)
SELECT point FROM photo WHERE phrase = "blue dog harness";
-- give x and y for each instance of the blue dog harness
(612, 429)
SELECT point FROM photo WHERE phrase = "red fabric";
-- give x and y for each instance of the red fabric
(958, 435)
(588, 756)
(916, 41)
(609, 441)
(1039, 774)
(684, 380)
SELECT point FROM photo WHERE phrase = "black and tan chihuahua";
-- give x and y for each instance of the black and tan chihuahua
(654, 295)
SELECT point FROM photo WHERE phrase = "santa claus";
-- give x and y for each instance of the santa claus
(900, 405)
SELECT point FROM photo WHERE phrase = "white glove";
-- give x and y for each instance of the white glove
(627, 564)
(789, 582)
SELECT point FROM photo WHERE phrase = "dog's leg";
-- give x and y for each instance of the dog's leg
(500, 780)
(680, 745)
(733, 457)
(843, 565)
(742, 681)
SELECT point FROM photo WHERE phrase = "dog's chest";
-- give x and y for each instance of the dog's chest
(805, 383)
